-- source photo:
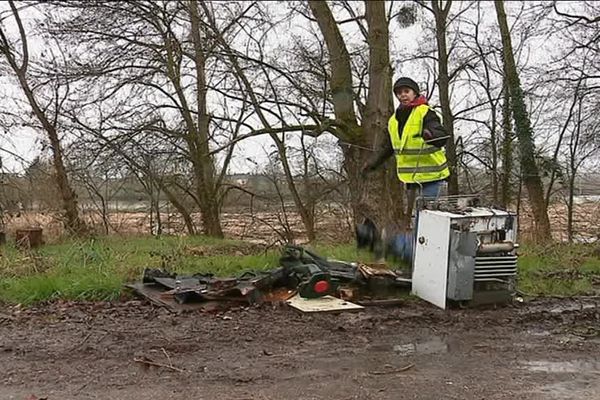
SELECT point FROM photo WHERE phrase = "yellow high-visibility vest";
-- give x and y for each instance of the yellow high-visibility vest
(416, 161)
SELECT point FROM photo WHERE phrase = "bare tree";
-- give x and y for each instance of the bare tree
(440, 11)
(581, 147)
(198, 133)
(506, 192)
(484, 83)
(379, 107)
(580, 31)
(306, 215)
(153, 163)
(529, 168)
(574, 71)
(381, 198)
(152, 69)
(72, 221)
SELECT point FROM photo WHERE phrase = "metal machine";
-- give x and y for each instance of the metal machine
(459, 251)
(463, 252)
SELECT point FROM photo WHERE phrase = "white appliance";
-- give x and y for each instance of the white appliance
(464, 253)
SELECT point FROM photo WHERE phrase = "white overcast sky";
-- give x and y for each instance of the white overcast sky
(27, 145)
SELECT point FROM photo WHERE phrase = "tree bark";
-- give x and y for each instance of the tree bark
(379, 197)
(440, 12)
(529, 168)
(507, 152)
(494, 150)
(341, 72)
(198, 140)
(342, 95)
(378, 109)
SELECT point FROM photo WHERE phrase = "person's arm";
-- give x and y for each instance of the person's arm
(434, 132)
(384, 152)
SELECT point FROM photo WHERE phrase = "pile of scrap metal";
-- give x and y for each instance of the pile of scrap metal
(301, 271)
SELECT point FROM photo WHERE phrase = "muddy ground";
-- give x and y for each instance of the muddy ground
(544, 349)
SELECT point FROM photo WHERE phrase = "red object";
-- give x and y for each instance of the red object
(416, 102)
(321, 287)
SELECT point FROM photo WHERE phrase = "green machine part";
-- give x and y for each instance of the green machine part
(314, 282)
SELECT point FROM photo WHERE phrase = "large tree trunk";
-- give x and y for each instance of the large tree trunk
(507, 152)
(440, 12)
(379, 107)
(343, 105)
(73, 223)
(494, 150)
(380, 196)
(341, 71)
(198, 140)
(529, 169)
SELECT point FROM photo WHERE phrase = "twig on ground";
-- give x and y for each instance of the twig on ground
(87, 382)
(83, 341)
(382, 303)
(167, 355)
(155, 364)
(393, 371)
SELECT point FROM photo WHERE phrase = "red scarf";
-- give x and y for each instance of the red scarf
(419, 101)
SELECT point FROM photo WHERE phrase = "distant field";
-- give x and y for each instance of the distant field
(264, 225)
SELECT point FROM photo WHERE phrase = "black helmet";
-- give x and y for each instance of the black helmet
(406, 82)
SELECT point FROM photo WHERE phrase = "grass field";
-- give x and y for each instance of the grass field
(97, 269)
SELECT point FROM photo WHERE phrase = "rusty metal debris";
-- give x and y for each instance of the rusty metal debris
(300, 272)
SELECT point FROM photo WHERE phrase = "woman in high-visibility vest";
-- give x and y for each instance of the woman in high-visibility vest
(417, 138)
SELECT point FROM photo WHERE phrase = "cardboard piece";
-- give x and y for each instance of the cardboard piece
(322, 304)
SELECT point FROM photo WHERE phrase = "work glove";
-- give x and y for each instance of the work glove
(427, 135)
(431, 139)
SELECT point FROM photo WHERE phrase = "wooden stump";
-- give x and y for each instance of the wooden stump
(29, 238)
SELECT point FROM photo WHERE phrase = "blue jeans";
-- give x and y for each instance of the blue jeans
(402, 244)
(430, 189)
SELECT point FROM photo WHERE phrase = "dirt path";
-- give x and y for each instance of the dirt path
(541, 350)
